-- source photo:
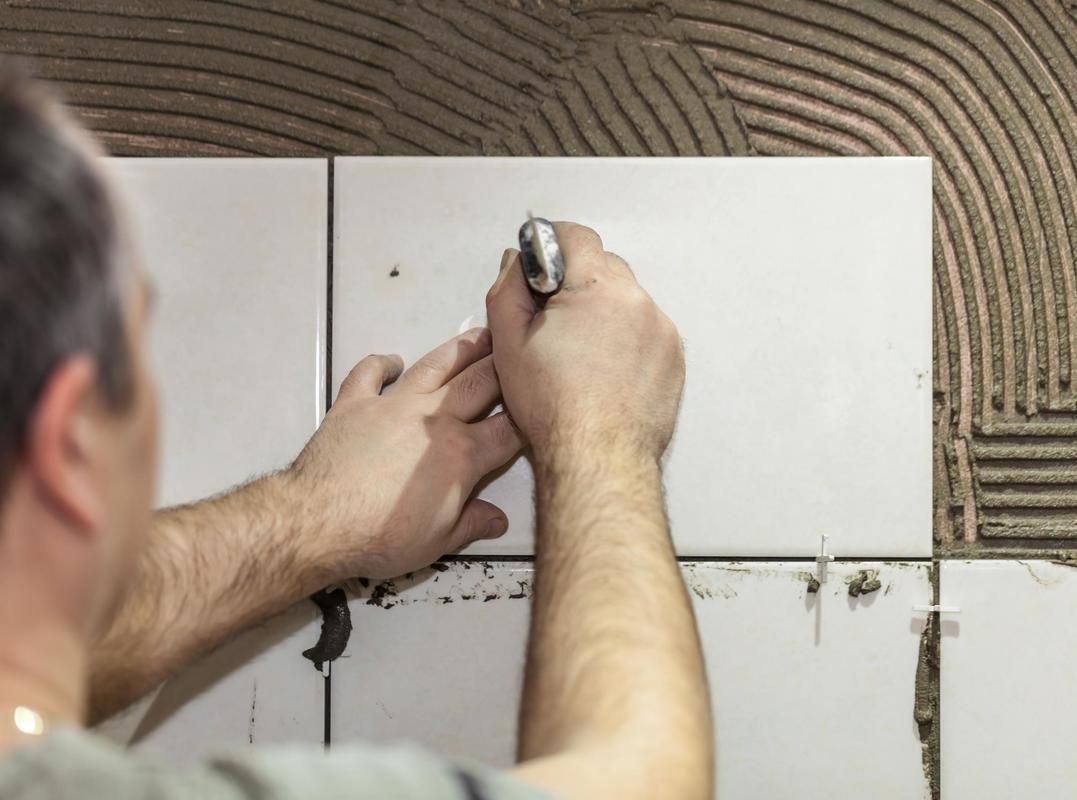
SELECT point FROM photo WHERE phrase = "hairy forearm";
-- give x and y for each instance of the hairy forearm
(207, 571)
(614, 667)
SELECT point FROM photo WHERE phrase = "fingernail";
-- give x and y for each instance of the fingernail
(495, 527)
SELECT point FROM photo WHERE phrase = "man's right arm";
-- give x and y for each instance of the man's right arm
(615, 697)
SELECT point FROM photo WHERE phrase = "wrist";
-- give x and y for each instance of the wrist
(593, 460)
(306, 523)
(335, 533)
(570, 445)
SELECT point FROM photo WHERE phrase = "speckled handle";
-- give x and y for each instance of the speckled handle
(543, 264)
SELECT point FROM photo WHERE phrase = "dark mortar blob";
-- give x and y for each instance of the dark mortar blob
(521, 593)
(384, 590)
(394, 271)
(437, 566)
(811, 580)
(336, 627)
(864, 582)
(489, 597)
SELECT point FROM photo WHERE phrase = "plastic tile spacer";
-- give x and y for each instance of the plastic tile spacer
(822, 559)
(938, 609)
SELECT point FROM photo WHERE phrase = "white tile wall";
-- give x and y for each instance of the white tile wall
(1009, 667)
(236, 249)
(237, 252)
(813, 693)
(257, 689)
(439, 662)
(802, 288)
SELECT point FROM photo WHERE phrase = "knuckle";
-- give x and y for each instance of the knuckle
(459, 443)
(617, 261)
(425, 366)
(668, 326)
(474, 383)
(574, 236)
(473, 526)
(355, 377)
(467, 530)
(371, 362)
(467, 450)
(503, 433)
(638, 300)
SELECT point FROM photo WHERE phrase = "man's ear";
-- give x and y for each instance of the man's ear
(61, 440)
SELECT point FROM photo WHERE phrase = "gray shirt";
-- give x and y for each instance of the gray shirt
(79, 764)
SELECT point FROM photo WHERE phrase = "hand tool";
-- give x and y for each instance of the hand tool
(543, 263)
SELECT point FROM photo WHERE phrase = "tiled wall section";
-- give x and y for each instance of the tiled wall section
(802, 288)
(812, 691)
(778, 442)
(1009, 665)
(236, 252)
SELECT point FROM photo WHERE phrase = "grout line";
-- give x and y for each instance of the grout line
(327, 710)
(327, 716)
(717, 559)
(329, 297)
(936, 695)
(808, 559)
(1050, 553)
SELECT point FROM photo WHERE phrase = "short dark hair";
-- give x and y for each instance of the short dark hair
(61, 287)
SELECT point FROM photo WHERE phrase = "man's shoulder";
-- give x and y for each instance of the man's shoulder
(80, 764)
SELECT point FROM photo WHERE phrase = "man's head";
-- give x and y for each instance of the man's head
(77, 407)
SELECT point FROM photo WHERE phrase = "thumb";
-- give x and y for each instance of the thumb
(509, 304)
(478, 520)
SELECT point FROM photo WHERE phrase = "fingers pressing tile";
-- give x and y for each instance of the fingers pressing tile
(443, 363)
(371, 374)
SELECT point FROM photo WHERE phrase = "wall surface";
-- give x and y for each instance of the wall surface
(986, 88)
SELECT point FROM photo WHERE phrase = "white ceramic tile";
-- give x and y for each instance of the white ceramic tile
(1009, 667)
(258, 689)
(236, 250)
(439, 662)
(802, 288)
(813, 693)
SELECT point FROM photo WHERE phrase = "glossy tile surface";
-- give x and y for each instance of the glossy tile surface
(437, 659)
(813, 693)
(802, 288)
(1009, 666)
(258, 689)
(236, 252)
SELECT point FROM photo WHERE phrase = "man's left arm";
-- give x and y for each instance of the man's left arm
(384, 487)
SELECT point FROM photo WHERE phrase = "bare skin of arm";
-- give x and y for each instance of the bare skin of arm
(381, 489)
(615, 697)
